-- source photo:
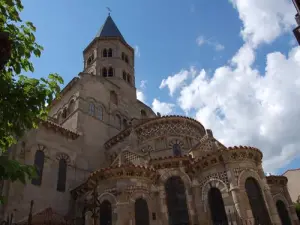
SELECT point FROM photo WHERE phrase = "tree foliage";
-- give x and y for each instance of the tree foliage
(23, 100)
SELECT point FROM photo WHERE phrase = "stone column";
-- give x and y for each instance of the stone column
(123, 214)
(163, 206)
(236, 197)
(270, 202)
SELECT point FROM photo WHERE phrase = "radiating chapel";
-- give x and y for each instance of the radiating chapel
(105, 158)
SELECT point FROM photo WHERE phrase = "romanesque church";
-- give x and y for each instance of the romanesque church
(105, 158)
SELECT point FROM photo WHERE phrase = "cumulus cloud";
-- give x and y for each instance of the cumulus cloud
(264, 21)
(140, 96)
(244, 107)
(143, 84)
(201, 40)
(177, 80)
(162, 107)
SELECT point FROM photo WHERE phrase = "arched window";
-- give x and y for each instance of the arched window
(110, 72)
(105, 213)
(143, 113)
(123, 56)
(104, 53)
(283, 213)
(141, 212)
(92, 109)
(118, 121)
(129, 78)
(124, 75)
(176, 201)
(64, 113)
(176, 150)
(257, 203)
(71, 106)
(216, 206)
(39, 160)
(125, 124)
(100, 113)
(104, 72)
(114, 97)
(62, 175)
(109, 54)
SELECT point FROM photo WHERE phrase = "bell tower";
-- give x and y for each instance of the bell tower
(112, 58)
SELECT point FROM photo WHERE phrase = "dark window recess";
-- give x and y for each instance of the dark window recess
(105, 213)
(62, 175)
(124, 75)
(65, 113)
(109, 54)
(110, 72)
(141, 212)
(143, 113)
(125, 124)
(283, 213)
(126, 59)
(217, 208)
(176, 150)
(104, 72)
(153, 216)
(114, 97)
(39, 160)
(257, 203)
(176, 201)
(123, 56)
(104, 53)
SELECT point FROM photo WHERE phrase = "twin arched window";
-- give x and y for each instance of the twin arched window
(107, 72)
(96, 111)
(107, 52)
(127, 77)
(125, 57)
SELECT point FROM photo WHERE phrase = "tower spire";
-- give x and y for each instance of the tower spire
(109, 28)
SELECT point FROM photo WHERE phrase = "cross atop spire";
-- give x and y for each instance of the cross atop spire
(110, 29)
(109, 10)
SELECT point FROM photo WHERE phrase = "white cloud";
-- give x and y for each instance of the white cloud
(263, 21)
(137, 51)
(162, 107)
(201, 40)
(176, 81)
(244, 107)
(143, 84)
(140, 96)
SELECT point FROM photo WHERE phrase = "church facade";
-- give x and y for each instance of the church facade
(106, 158)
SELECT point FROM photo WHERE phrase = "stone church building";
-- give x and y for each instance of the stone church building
(105, 158)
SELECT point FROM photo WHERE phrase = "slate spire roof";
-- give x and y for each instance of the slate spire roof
(110, 29)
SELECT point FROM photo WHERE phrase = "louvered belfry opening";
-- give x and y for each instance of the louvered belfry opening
(141, 212)
(217, 208)
(283, 213)
(176, 201)
(257, 203)
(105, 213)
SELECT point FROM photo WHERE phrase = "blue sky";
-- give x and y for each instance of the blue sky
(183, 39)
